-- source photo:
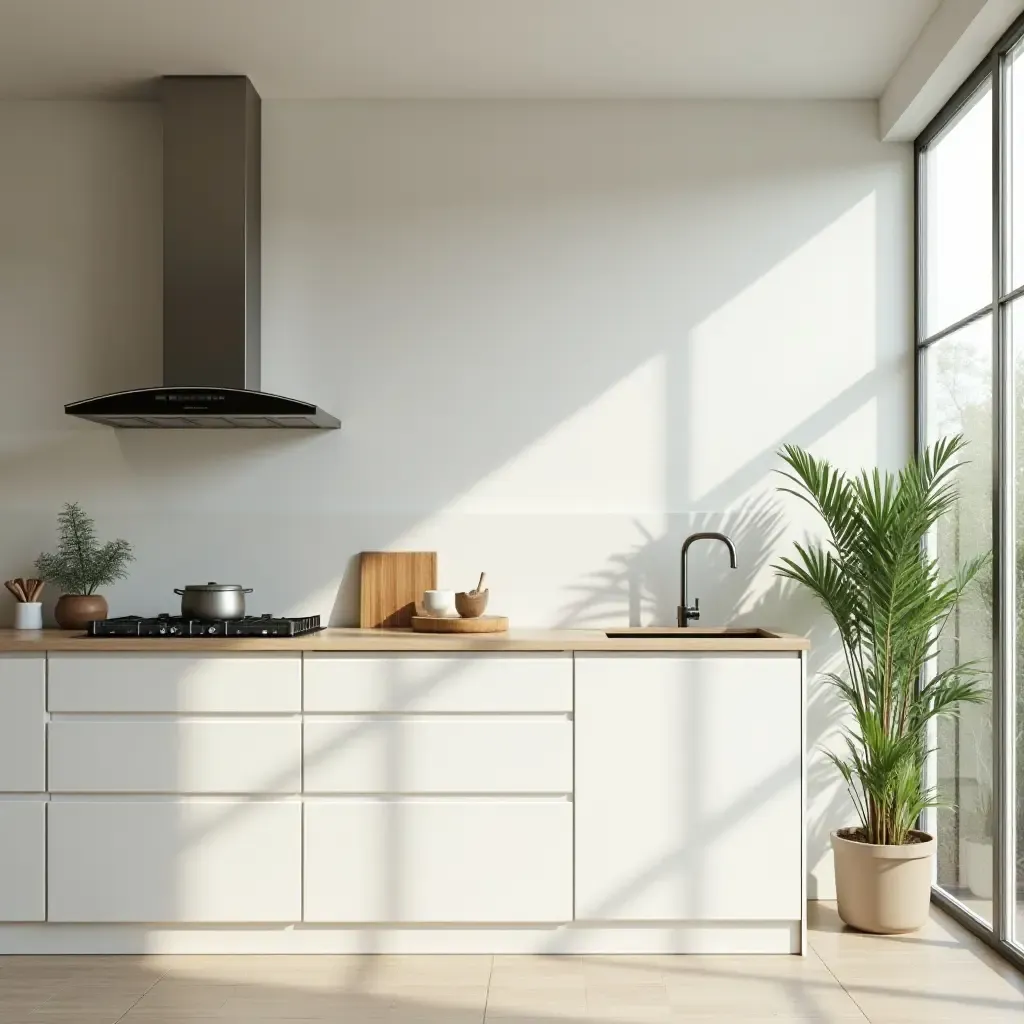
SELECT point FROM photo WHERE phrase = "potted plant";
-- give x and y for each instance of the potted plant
(80, 566)
(889, 602)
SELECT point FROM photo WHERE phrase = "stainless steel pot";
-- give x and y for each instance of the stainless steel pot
(213, 601)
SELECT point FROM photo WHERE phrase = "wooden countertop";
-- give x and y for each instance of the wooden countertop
(389, 640)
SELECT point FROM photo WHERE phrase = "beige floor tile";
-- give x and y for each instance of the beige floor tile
(439, 997)
(177, 995)
(937, 1000)
(62, 1017)
(400, 1016)
(315, 1006)
(793, 987)
(603, 994)
(548, 1000)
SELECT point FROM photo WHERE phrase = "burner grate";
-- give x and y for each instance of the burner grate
(171, 627)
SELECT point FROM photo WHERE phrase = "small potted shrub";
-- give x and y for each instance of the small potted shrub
(889, 602)
(80, 566)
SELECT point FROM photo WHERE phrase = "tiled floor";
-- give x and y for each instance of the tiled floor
(939, 974)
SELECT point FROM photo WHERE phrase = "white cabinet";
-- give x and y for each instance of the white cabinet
(22, 723)
(173, 756)
(156, 861)
(466, 754)
(22, 860)
(170, 683)
(688, 787)
(437, 684)
(438, 861)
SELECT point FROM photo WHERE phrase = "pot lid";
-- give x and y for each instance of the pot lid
(211, 586)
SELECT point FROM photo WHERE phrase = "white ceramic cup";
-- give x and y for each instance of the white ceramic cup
(28, 615)
(439, 603)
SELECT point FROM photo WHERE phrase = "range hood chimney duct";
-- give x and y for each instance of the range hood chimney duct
(211, 232)
(211, 181)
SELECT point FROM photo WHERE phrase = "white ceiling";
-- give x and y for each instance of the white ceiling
(462, 48)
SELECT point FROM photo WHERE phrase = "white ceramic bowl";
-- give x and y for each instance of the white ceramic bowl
(439, 603)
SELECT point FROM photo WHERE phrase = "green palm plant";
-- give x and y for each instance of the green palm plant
(889, 602)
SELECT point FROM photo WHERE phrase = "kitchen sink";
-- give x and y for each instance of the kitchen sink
(724, 633)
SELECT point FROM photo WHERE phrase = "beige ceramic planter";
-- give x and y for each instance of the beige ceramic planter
(884, 889)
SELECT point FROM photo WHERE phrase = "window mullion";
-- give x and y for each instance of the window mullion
(1004, 896)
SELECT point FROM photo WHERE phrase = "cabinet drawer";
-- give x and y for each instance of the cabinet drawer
(423, 683)
(22, 860)
(170, 683)
(438, 755)
(423, 861)
(175, 860)
(22, 723)
(110, 756)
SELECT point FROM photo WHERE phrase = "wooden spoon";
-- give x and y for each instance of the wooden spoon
(480, 585)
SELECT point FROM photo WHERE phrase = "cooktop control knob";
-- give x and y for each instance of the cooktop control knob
(211, 629)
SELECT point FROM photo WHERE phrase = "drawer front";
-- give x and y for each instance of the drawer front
(425, 683)
(437, 755)
(176, 683)
(175, 861)
(443, 861)
(22, 860)
(111, 756)
(22, 723)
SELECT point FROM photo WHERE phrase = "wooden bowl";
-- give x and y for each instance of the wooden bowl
(471, 605)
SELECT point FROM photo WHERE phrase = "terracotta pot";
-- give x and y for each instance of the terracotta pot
(884, 889)
(76, 611)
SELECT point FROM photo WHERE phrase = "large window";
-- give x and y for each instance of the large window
(970, 344)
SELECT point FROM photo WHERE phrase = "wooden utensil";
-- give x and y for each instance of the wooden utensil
(390, 585)
(481, 624)
(480, 586)
(25, 591)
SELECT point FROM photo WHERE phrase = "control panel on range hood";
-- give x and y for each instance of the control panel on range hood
(211, 272)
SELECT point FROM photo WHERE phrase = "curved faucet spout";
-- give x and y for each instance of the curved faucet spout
(685, 612)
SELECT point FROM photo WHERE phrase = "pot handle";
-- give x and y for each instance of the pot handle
(181, 592)
(247, 590)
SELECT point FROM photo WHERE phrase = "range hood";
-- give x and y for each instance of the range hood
(211, 183)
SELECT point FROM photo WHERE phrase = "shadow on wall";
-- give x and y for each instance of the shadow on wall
(637, 580)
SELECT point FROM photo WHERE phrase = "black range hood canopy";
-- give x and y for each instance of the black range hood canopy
(201, 407)
(211, 177)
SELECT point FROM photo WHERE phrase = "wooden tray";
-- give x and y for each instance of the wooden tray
(482, 624)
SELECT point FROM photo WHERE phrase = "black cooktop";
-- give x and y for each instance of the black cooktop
(172, 626)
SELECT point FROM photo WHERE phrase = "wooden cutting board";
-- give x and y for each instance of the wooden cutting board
(481, 624)
(390, 584)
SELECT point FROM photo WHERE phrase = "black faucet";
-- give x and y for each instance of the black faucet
(685, 612)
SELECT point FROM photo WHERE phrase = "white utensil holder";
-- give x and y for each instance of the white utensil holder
(28, 615)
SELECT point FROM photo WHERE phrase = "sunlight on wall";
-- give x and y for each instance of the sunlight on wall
(811, 313)
(608, 456)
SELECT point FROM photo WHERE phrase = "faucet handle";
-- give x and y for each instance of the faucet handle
(695, 610)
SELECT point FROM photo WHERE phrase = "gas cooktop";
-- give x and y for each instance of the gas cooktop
(172, 626)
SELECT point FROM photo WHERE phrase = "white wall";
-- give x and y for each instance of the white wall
(560, 337)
